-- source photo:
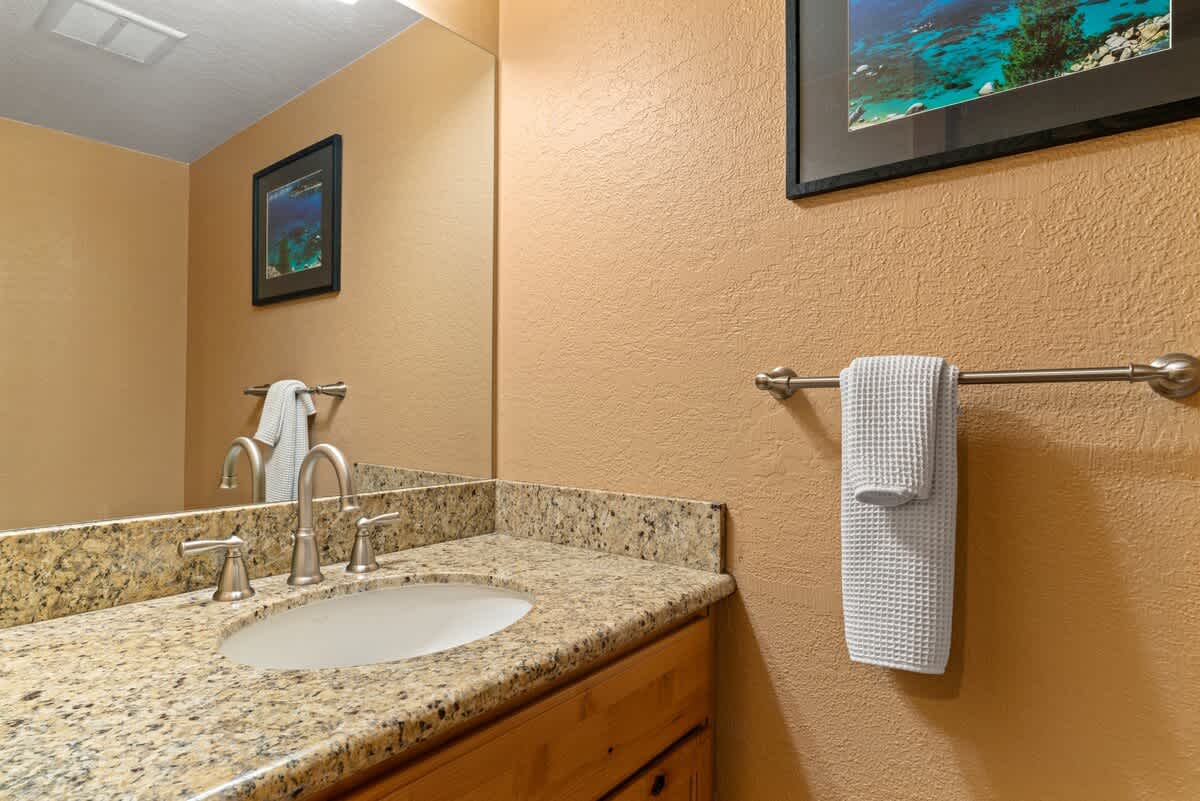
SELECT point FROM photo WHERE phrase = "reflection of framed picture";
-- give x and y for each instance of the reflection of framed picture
(878, 89)
(297, 221)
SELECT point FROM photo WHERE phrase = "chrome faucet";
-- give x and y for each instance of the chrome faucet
(258, 476)
(306, 556)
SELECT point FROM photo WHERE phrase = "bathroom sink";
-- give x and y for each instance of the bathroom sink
(381, 625)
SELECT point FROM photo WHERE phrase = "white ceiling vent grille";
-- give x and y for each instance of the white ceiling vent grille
(108, 27)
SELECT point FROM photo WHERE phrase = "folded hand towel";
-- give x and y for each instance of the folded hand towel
(899, 501)
(888, 422)
(284, 426)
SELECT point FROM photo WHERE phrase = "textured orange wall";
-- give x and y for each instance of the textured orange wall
(477, 20)
(650, 264)
(411, 330)
(93, 271)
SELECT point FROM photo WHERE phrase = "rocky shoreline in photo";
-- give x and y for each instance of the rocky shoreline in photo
(1146, 37)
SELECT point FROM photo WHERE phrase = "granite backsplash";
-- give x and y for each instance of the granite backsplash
(380, 477)
(47, 573)
(669, 530)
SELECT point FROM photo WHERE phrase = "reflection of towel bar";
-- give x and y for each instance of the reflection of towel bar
(1176, 375)
(336, 390)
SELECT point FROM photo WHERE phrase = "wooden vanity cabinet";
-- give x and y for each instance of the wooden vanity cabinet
(637, 728)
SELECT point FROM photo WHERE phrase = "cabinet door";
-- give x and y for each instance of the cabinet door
(682, 774)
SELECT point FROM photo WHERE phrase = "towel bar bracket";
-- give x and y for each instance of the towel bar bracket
(1178, 375)
(778, 382)
(1175, 375)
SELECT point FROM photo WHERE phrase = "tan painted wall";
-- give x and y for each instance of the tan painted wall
(477, 20)
(93, 271)
(650, 265)
(411, 330)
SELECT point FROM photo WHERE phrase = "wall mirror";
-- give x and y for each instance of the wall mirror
(132, 134)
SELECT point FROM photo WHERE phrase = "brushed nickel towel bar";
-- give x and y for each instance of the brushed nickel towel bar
(336, 390)
(1176, 375)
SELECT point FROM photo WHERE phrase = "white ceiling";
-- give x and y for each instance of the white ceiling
(241, 60)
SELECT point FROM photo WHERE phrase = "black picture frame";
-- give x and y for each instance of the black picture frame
(323, 157)
(798, 187)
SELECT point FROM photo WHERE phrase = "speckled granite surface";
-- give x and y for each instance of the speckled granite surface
(380, 477)
(51, 572)
(134, 703)
(670, 530)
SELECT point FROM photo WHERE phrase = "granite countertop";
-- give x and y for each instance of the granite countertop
(134, 702)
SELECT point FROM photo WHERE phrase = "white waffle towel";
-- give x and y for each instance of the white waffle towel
(899, 501)
(284, 426)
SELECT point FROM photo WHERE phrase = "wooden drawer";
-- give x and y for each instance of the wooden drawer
(579, 742)
(682, 774)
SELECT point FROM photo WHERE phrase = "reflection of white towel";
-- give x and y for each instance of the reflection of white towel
(284, 426)
(899, 500)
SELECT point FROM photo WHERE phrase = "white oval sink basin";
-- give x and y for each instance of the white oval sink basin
(384, 625)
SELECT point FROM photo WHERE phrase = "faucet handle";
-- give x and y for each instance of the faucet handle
(362, 555)
(234, 582)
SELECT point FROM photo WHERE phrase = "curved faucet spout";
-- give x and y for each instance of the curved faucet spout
(304, 484)
(258, 476)
(306, 560)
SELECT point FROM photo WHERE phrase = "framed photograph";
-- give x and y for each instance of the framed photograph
(880, 89)
(297, 224)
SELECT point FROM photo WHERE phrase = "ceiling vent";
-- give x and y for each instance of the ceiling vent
(108, 27)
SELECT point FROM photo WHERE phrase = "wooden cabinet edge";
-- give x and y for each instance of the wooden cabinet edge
(381, 781)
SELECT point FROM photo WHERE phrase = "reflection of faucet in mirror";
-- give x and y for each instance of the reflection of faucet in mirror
(258, 476)
(306, 556)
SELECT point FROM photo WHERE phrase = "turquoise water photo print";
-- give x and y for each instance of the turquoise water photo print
(297, 224)
(911, 56)
(882, 89)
